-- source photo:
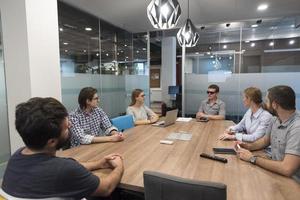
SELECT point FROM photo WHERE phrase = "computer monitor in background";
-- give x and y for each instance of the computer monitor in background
(174, 90)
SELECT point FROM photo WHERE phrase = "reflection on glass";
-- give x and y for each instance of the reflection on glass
(112, 60)
(237, 58)
(4, 136)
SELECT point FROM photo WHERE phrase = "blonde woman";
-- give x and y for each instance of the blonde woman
(141, 113)
(255, 121)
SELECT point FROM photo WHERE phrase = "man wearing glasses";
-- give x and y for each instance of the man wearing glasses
(212, 107)
(90, 124)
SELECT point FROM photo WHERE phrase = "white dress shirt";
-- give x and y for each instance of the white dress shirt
(253, 125)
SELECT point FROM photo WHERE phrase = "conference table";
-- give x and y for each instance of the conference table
(142, 151)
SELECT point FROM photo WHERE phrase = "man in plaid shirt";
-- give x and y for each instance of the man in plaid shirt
(90, 124)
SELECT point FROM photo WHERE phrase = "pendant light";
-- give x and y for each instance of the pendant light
(187, 35)
(163, 14)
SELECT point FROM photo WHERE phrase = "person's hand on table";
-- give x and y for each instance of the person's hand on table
(117, 137)
(226, 136)
(244, 154)
(106, 161)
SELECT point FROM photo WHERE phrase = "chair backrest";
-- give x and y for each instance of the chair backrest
(160, 186)
(4, 195)
(123, 122)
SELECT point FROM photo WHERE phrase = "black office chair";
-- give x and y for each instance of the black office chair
(160, 186)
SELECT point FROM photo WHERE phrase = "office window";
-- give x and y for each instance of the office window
(97, 54)
(4, 136)
(239, 57)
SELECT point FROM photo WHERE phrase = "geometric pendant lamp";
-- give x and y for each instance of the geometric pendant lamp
(188, 35)
(163, 14)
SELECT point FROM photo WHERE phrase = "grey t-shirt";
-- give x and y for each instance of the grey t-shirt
(218, 108)
(285, 139)
(45, 176)
(142, 113)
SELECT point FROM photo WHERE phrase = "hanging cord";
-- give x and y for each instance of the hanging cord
(188, 9)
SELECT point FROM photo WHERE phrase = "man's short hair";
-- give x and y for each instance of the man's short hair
(284, 96)
(38, 120)
(86, 93)
(213, 86)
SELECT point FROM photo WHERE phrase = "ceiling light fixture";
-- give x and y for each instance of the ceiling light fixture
(291, 42)
(247, 41)
(271, 44)
(252, 44)
(88, 28)
(224, 46)
(65, 43)
(254, 25)
(163, 14)
(187, 35)
(61, 29)
(262, 7)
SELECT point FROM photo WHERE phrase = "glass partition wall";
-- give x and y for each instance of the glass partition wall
(4, 136)
(97, 54)
(252, 53)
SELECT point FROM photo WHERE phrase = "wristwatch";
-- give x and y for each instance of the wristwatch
(253, 160)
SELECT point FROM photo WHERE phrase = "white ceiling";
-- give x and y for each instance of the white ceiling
(131, 14)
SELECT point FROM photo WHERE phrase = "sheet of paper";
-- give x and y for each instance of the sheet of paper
(179, 136)
(183, 119)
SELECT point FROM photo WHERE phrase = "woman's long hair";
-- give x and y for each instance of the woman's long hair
(135, 93)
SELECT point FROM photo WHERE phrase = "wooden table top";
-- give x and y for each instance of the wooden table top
(142, 151)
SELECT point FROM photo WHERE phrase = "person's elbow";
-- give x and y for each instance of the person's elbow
(104, 189)
(288, 171)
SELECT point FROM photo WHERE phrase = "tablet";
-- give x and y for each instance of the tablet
(224, 151)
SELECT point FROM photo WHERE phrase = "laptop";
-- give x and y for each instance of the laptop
(170, 119)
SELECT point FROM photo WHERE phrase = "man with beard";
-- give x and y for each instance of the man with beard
(283, 134)
(35, 172)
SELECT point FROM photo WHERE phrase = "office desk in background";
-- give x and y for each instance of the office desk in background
(142, 151)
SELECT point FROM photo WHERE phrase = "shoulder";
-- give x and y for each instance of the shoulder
(204, 101)
(266, 114)
(70, 166)
(130, 108)
(296, 123)
(100, 111)
(75, 113)
(220, 102)
(146, 107)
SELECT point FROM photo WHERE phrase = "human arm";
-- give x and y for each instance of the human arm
(229, 133)
(109, 183)
(152, 116)
(200, 112)
(77, 131)
(130, 111)
(257, 145)
(263, 123)
(111, 138)
(100, 164)
(286, 167)
(105, 123)
(221, 114)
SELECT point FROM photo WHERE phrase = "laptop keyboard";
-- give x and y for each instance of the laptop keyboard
(160, 123)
